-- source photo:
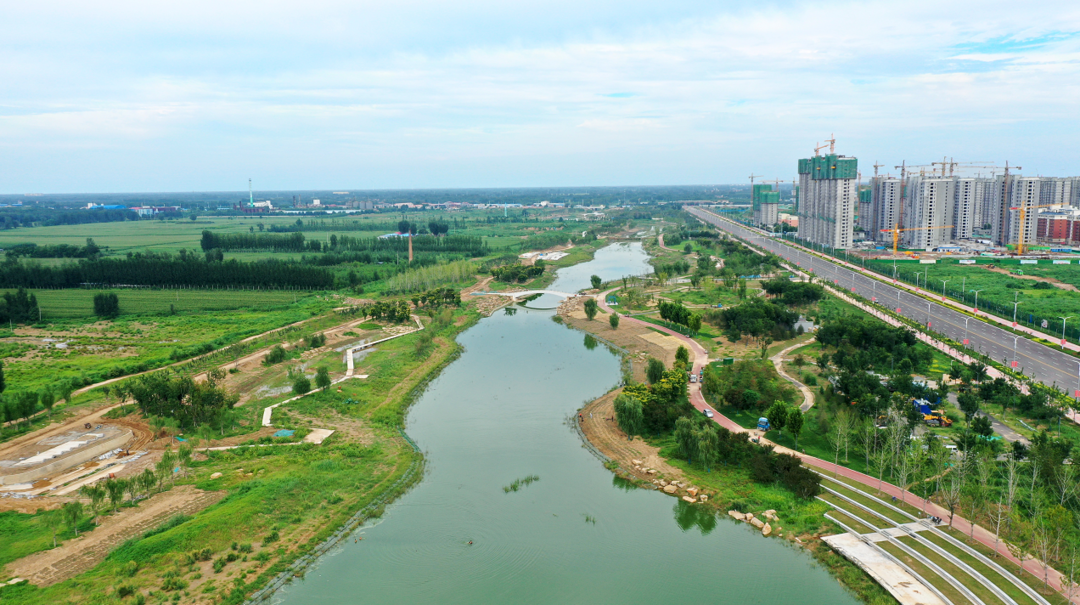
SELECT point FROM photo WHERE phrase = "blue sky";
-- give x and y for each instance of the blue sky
(117, 96)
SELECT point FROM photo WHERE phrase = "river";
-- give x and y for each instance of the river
(577, 535)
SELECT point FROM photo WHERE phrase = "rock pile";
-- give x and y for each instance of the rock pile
(765, 527)
(691, 494)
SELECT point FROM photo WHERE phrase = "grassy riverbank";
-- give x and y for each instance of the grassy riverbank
(279, 502)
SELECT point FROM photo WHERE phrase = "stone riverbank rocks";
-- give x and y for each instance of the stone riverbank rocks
(765, 526)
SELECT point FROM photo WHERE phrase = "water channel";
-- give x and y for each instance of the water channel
(499, 413)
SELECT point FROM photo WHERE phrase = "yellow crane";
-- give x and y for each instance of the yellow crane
(1023, 213)
(896, 233)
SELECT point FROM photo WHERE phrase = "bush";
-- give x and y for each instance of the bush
(276, 355)
(809, 379)
(125, 590)
(271, 538)
(301, 385)
(129, 569)
(219, 564)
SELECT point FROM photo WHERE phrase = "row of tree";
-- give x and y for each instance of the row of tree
(793, 293)
(390, 310)
(169, 271)
(32, 250)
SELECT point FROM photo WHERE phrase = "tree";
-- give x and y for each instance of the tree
(301, 385)
(688, 248)
(164, 467)
(682, 354)
(72, 512)
(596, 282)
(591, 308)
(685, 438)
(48, 399)
(839, 434)
(695, 323)
(969, 405)
(954, 490)
(630, 415)
(795, 424)
(777, 415)
(116, 489)
(707, 447)
(66, 388)
(97, 495)
(654, 370)
(106, 305)
(183, 456)
(53, 521)
(981, 425)
(322, 377)
(613, 319)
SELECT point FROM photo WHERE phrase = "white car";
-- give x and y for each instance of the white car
(693, 378)
(708, 413)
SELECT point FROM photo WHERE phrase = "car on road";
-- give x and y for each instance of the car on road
(693, 378)
(708, 413)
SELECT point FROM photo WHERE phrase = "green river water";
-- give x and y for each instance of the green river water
(499, 413)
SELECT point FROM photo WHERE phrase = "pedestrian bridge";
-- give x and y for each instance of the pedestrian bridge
(527, 293)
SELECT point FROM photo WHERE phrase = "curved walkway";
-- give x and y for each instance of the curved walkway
(982, 535)
(808, 396)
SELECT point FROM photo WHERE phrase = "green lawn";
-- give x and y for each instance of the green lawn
(56, 304)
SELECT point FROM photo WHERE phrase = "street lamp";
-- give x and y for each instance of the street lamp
(977, 300)
(928, 315)
(943, 282)
(1014, 313)
(1015, 338)
(917, 274)
(966, 341)
(1063, 320)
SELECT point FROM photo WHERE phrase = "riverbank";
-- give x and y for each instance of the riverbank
(653, 463)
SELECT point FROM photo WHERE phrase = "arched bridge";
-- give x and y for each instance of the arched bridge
(527, 293)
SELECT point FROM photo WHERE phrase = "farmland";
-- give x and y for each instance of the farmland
(59, 304)
(998, 289)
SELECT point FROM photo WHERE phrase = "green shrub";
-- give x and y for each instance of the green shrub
(129, 569)
(125, 590)
(271, 538)
(219, 564)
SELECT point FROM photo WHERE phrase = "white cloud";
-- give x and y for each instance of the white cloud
(706, 95)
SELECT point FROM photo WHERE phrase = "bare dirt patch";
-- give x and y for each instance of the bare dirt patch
(598, 424)
(1049, 280)
(83, 553)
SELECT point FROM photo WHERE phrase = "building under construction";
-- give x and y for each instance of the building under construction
(828, 197)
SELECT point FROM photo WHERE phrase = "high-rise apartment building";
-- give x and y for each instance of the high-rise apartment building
(1024, 192)
(827, 200)
(768, 208)
(928, 212)
(968, 211)
(884, 206)
(757, 194)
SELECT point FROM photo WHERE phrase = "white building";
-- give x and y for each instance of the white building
(884, 207)
(929, 211)
(970, 194)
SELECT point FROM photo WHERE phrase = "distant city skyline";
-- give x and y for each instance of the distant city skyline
(200, 96)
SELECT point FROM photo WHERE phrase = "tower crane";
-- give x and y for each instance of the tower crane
(1023, 214)
(896, 233)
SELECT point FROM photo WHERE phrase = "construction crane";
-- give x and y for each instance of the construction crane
(952, 164)
(896, 233)
(1023, 213)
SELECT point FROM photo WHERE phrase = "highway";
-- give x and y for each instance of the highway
(1042, 363)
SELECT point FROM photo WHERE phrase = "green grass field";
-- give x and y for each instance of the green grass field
(57, 304)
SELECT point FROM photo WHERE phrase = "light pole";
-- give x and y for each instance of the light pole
(963, 285)
(917, 274)
(1014, 313)
(1015, 338)
(976, 301)
(966, 331)
(928, 315)
(943, 282)
(1063, 320)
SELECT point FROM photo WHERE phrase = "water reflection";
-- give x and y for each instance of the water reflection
(623, 483)
(689, 516)
(590, 342)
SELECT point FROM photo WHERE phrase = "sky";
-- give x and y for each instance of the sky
(200, 95)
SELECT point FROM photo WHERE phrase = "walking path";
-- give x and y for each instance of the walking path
(982, 535)
(808, 396)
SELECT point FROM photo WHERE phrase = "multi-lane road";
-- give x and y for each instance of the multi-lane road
(1042, 363)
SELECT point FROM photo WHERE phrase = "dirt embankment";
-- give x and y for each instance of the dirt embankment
(1049, 280)
(83, 553)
